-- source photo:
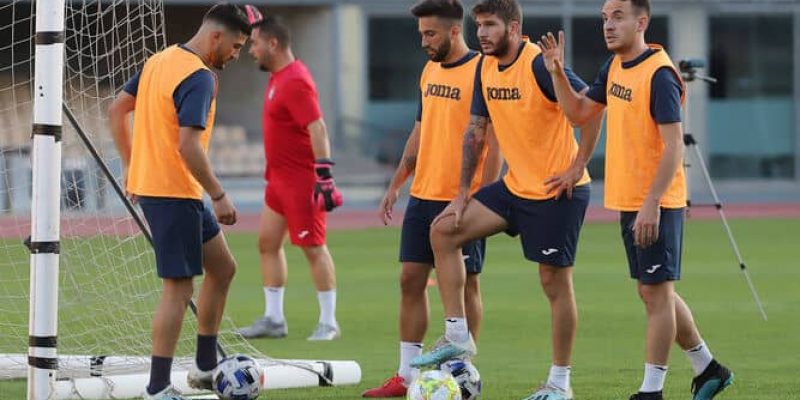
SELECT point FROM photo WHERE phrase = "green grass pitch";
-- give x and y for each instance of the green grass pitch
(514, 348)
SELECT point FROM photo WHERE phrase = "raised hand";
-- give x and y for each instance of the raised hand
(553, 51)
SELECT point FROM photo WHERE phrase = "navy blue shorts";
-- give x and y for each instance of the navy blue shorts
(415, 242)
(548, 229)
(179, 228)
(662, 260)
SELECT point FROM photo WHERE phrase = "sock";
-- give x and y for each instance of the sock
(654, 376)
(559, 376)
(206, 357)
(160, 368)
(700, 356)
(408, 350)
(455, 330)
(273, 308)
(327, 307)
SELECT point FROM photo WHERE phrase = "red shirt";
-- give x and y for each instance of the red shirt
(291, 103)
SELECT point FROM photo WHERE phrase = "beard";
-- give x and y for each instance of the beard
(441, 52)
(502, 46)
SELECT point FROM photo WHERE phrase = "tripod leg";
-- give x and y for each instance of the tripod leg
(718, 206)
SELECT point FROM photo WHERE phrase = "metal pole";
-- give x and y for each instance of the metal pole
(45, 209)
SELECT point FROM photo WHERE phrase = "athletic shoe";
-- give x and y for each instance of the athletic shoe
(714, 379)
(392, 387)
(169, 393)
(445, 350)
(265, 327)
(200, 379)
(550, 392)
(325, 332)
(648, 396)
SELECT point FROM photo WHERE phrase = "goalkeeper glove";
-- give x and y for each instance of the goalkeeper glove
(326, 195)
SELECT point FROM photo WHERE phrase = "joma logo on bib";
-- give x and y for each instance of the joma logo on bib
(621, 92)
(503, 93)
(447, 92)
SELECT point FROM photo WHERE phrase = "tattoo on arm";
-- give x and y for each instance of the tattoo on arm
(474, 141)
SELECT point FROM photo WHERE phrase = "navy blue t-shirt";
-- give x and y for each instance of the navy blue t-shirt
(470, 55)
(540, 73)
(192, 97)
(665, 90)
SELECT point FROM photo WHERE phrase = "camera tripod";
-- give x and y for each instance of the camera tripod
(688, 70)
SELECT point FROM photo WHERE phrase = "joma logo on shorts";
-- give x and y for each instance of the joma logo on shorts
(447, 92)
(503, 93)
(621, 92)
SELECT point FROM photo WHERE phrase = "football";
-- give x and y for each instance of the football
(467, 377)
(434, 385)
(238, 377)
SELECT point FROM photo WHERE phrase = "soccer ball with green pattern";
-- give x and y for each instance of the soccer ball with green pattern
(434, 385)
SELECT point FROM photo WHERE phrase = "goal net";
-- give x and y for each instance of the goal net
(108, 286)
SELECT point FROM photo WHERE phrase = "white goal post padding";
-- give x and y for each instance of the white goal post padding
(279, 374)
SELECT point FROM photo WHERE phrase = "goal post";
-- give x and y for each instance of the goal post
(46, 206)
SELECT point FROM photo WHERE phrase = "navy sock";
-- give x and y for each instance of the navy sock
(206, 352)
(160, 369)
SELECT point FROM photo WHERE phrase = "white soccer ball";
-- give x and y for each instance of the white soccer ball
(467, 377)
(434, 385)
(238, 377)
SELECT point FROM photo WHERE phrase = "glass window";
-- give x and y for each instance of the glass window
(395, 59)
(750, 114)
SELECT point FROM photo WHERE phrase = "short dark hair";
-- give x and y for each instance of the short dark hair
(273, 26)
(232, 17)
(641, 5)
(507, 10)
(446, 9)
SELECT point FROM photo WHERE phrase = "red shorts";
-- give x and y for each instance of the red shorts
(306, 223)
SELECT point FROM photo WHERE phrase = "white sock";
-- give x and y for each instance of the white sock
(327, 307)
(455, 330)
(408, 350)
(273, 308)
(700, 356)
(559, 377)
(654, 376)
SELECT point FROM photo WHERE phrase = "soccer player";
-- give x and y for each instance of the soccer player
(167, 170)
(432, 152)
(300, 187)
(643, 93)
(543, 197)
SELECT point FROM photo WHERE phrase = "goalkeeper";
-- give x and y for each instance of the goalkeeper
(167, 170)
(300, 188)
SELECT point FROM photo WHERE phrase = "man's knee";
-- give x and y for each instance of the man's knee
(657, 295)
(178, 289)
(472, 289)
(443, 235)
(413, 281)
(555, 281)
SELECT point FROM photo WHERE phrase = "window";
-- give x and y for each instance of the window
(395, 59)
(750, 114)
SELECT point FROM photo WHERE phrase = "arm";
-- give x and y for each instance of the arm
(319, 139)
(474, 140)
(647, 220)
(405, 169)
(199, 166)
(565, 181)
(494, 160)
(578, 108)
(119, 124)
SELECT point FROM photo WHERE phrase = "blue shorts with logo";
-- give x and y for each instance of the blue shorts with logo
(415, 243)
(548, 229)
(179, 227)
(661, 261)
